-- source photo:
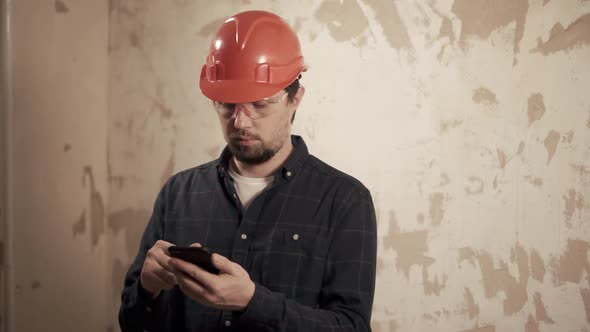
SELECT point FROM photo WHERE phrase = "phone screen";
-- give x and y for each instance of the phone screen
(198, 256)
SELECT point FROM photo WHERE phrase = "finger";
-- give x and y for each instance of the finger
(185, 279)
(163, 261)
(195, 272)
(164, 245)
(156, 270)
(156, 282)
(192, 287)
(196, 244)
(168, 278)
(223, 264)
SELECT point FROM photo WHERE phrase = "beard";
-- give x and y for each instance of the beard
(252, 154)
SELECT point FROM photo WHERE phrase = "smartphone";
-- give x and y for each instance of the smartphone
(196, 255)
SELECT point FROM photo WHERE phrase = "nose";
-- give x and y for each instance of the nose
(241, 118)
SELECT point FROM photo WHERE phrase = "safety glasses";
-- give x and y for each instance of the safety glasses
(254, 110)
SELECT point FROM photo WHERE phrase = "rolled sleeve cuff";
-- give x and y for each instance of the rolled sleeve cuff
(143, 297)
(265, 308)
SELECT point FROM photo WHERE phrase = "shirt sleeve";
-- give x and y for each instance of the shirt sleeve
(138, 309)
(346, 299)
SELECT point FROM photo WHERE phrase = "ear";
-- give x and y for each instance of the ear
(298, 97)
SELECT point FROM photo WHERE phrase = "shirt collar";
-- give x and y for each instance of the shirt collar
(290, 168)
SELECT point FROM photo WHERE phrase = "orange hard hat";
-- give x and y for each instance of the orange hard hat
(254, 55)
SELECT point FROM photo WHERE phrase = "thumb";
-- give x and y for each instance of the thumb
(196, 244)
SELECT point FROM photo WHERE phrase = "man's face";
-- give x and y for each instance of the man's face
(255, 141)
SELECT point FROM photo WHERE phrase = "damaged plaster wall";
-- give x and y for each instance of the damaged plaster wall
(474, 142)
(59, 186)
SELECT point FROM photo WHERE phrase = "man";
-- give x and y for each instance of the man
(294, 239)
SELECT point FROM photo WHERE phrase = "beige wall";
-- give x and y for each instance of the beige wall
(58, 165)
(4, 133)
(469, 120)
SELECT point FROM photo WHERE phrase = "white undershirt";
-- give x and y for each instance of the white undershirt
(249, 188)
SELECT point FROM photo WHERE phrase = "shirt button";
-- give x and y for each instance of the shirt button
(227, 323)
(235, 196)
(295, 237)
(244, 236)
(289, 173)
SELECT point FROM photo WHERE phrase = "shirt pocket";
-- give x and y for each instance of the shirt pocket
(294, 261)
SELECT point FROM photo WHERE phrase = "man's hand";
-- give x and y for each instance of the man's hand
(156, 273)
(232, 289)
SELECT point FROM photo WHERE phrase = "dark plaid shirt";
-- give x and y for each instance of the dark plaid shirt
(308, 242)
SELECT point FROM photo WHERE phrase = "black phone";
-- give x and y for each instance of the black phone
(196, 255)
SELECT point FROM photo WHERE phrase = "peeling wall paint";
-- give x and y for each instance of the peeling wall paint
(410, 247)
(540, 311)
(480, 18)
(60, 7)
(572, 264)
(585, 293)
(436, 208)
(497, 278)
(471, 309)
(550, 143)
(387, 16)
(537, 267)
(482, 329)
(536, 107)
(97, 208)
(345, 19)
(575, 35)
(484, 96)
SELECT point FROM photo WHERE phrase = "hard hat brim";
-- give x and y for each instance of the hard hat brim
(228, 91)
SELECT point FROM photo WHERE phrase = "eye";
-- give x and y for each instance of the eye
(228, 106)
(259, 104)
